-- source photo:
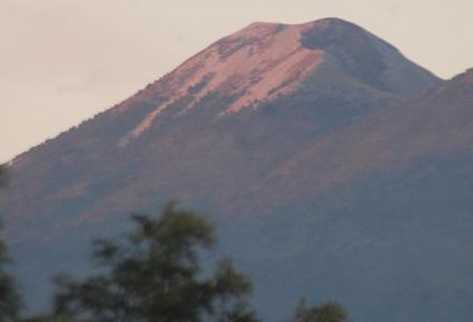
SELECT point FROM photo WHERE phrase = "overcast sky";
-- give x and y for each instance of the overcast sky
(62, 61)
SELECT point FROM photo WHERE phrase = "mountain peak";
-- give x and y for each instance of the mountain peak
(331, 22)
(265, 60)
(258, 27)
(261, 29)
(327, 22)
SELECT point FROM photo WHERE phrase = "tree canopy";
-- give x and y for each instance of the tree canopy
(9, 298)
(155, 274)
(325, 312)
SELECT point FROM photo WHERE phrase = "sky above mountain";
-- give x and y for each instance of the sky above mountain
(64, 61)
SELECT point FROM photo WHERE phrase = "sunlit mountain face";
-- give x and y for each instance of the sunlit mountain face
(333, 167)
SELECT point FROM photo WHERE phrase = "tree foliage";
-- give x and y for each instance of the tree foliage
(155, 274)
(3, 175)
(325, 312)
(9, 298)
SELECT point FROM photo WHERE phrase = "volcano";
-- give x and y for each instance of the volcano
(333, 166)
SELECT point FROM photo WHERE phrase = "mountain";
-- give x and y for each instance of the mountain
(333, 166)
(275, 81)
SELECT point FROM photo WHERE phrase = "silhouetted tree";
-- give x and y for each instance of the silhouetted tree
(48, 318)
(155, 274)
(3, 175)
(326, 312)
(9, 299)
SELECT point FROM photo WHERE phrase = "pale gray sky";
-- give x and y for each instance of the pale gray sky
(62, 61)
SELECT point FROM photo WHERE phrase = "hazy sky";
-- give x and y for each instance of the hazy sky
(62, 61)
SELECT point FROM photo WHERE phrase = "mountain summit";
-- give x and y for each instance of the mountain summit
(332, 164)
(267, 60)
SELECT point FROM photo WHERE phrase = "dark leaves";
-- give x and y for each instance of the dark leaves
(326, 312)
(155, 275)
